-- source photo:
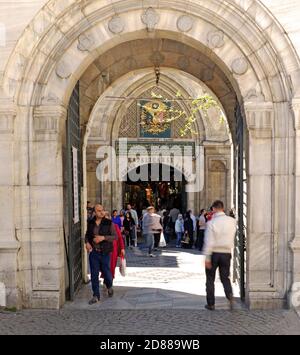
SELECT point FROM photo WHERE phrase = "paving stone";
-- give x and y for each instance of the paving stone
(151, 300)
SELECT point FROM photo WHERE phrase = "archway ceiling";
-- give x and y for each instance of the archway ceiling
(107, 114)
(147, 53)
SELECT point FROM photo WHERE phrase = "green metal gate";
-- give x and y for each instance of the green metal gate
(74, 184)
(240, 203)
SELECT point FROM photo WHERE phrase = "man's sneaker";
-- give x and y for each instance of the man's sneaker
(94, 300)
(152, 255)
(210, 308)
(110, 292)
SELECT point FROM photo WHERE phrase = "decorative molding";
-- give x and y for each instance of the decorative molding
(239, 66)
(51, 98)
(7, 117)
(215, 39)
(183, 62)
(185, 23)
(85, 42)
(9, 246)
(150, 18)
(218, 165)
(207, 74)
(47, 119)
(157, 58)
(130, 63)
(295, 244)
(63, 70)
(254, 96)
(116, 25)
(260, 119)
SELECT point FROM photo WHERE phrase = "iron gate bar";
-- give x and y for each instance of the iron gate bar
(74, 232)
(239, 251)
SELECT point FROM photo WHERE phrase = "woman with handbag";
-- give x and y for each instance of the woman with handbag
(118, 248)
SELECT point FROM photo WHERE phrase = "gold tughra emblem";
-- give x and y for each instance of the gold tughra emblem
(155, 116)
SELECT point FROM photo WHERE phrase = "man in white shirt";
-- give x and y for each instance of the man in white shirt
(151, 225)
(218, 243)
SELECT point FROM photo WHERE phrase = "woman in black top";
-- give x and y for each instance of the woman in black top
(189, 229)
(128, 226)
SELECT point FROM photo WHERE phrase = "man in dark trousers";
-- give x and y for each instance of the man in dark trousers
(218, 243)
(99, 243)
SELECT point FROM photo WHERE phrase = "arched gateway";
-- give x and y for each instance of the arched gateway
(236, 51)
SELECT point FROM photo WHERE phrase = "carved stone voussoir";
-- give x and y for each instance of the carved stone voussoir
(239, 66)
(85, 42)
(63, 70)
(215, 39)
(185, 23)
(157, 58)
(254, 96)
(183, 62)
(50, 99)
(116, 25)
(150, 18)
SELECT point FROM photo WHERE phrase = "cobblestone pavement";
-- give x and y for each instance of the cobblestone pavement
(162, 295)
(147, 322)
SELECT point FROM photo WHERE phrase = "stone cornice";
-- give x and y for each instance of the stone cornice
(50, 111)
(12, 246)
(7, 116)
(47, 119)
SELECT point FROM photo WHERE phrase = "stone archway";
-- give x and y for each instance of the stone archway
(50, 57)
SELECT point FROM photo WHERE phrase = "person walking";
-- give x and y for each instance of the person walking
(116, 219)
(189, 230)
(179, 230)
(136, 222)
(99, 239)
(90, 211)
(129, 228)
(167, 226)
(218, 243)
(193, 218)
(149, 229)
(157, 220)
(201, 229)
(118, 248)
(174, 212)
